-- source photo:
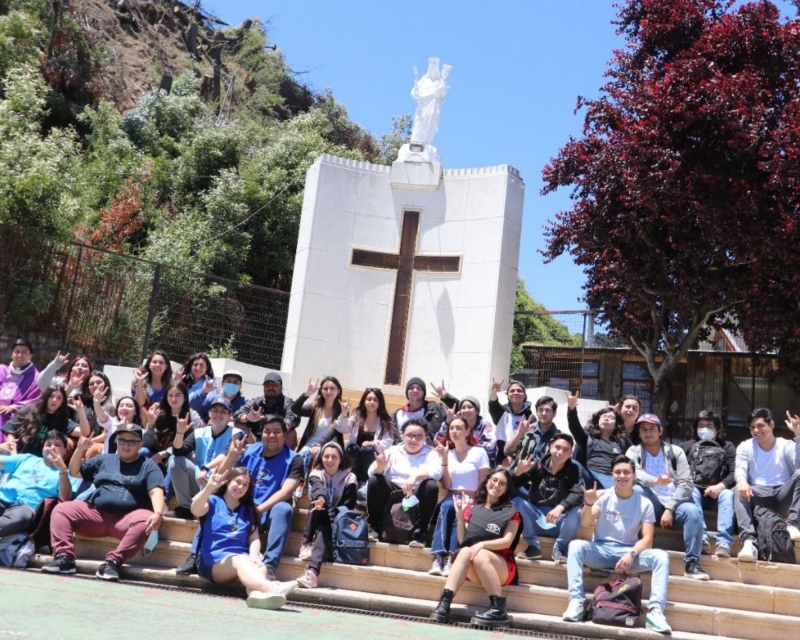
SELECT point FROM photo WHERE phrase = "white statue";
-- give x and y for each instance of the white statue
(429, 93)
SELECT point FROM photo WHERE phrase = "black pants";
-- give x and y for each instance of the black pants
(14, 519)
(361, 457)
(379, 489)
(318, 522)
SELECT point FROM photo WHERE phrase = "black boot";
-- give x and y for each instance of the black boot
(442, 611)
(495, 616)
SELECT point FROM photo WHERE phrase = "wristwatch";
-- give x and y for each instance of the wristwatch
(633, 553)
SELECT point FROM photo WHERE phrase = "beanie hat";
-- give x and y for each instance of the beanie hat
(418, 381)
(473, 401)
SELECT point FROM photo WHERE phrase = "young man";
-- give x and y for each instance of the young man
(535, 442)
(418, 408)
(210, 445)
(767, 474)
(508, 416)
(18, 386)
(231, 390)
(276, 471)
(617, 516)
(555, 495)
(712, 460)
(273, 403)
(127, 504)
(32, 479)
(663, 476)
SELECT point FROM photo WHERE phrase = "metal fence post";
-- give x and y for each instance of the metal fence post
(151, 312)
(65, 335)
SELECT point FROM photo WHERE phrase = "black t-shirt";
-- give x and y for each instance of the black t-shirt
(35, 445)
(601, 453)
(122, 487)
(487, 524)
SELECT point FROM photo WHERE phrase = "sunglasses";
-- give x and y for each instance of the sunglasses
(127, 443)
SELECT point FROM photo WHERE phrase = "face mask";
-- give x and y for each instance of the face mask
(230, 388)
(706, 433)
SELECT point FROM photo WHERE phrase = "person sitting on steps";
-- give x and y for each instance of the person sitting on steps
(488, 530)
(617, 517)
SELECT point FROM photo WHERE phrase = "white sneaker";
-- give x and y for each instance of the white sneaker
(261, 600)
(284, 588)
(748, 552)
(656, 621)
(447, 565)
(436, 566)
(574, 612)
(794, 532)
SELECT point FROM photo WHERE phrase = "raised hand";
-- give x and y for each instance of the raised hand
(83, 444)
(62, 359)
(78, 404)
(209, 385)
(217, 480)
(523, 464)
(524, 427)
(99, 395)
(496, 387)
(57, 460)
(183, 425)
(139, 377)
(793, 423)
(346, 408)
(237, 447)
(255, 415)
(590, 495)
(311, 387)
(459, 504)
(442, 450)
(382, 460)
(572, 399)
(152, 414)
(439, 391)
(449, 414)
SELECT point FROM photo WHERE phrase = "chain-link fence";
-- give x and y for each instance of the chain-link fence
(118, 308)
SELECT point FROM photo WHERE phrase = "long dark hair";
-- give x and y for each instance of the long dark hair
(33, 416)
(137, 418)
(317, 407)
(167, 378)
(619, 435)
(387, 426)
(76, 359)
(166, 425)
(246, 500)
(446, 441)
(187, 379)
(481, 495)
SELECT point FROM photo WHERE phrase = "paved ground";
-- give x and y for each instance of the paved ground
(43, 607)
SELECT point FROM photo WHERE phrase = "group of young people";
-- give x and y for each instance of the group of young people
(474, 485)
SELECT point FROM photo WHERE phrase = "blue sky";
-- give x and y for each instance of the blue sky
(518, 67)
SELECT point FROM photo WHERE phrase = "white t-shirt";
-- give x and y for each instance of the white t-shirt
(508, 425)
(465, 475)
(657, 466)
(405, 416)
(769, 467)
(620, 520)
(402, 466)
(319, 433)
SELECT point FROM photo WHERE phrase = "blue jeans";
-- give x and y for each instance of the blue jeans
(687, 516)
(445, 535)
(725, 515)
(564, 531)
(278, 524)
(605, 555)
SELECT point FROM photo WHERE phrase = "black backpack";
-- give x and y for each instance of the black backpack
(618, 604)
(707, 462)
(774, 542)
(349, 538)
(397, 524)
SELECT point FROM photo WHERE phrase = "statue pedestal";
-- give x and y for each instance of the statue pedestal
(417, 170)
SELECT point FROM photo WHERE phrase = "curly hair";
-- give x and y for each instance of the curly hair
(619, 435)
(482, 493)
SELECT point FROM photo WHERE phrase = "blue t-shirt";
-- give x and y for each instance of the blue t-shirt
(30, 481)
(269, 474)
(224, 532)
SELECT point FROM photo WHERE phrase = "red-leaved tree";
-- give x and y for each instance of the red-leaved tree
(683, 190)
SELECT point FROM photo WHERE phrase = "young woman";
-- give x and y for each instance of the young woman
(603, 440)
(74, 380)
(198, 376)
(150, 382)
(127, 411)
(99, 408)
(488, 530)
(412, 467)
(464, 466)
(331, 485)
(322, 415)
(27, 429)
(629, 407)
(371, 430)
(230, 548)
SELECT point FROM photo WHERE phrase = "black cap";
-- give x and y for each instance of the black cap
(129, 428)
(273, 376)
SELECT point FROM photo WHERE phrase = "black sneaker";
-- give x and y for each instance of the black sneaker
(532, 552)
(61, 564)
(108, 571)
(271, 573)
(692, 570)
(188, 567)
(417, 539)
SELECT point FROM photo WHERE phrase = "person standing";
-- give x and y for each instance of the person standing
(18, 382)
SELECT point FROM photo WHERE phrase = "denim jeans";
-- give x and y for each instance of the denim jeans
(605, 555)
(278, 526)
(783, 499)
(564, 531)
(687, 516)
(725, 515)
(445, 535)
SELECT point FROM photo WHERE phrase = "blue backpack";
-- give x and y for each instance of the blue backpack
(350, 537)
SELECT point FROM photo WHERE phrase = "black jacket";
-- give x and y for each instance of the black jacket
(281, 407)
(548, 489)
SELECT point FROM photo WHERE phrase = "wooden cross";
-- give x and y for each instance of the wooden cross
(405, 262)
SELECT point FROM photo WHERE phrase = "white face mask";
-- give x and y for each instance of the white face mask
(706, 433)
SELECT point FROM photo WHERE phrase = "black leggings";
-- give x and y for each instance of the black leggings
(379, 489)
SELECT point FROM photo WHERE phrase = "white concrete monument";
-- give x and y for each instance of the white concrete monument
(405, 271)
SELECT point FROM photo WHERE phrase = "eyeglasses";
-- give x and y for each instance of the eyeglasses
(414, 436)
(127, 443)
(498, 482)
